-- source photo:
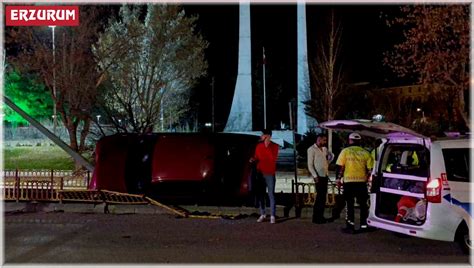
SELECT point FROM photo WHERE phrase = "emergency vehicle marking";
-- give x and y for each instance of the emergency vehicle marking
(465, 206)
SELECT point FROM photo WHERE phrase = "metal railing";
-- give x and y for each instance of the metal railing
(305, 193)
(40, 185)
(43, 173)
(71, 180)
(31, 190)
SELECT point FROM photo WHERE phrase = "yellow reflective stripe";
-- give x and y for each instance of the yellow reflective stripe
(415, 161)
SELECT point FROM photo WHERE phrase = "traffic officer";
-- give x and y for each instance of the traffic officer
(354, 164)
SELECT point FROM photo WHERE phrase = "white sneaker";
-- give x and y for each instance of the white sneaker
(261, 218)
(272, 219)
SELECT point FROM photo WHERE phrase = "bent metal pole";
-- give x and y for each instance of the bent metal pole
(76, 156)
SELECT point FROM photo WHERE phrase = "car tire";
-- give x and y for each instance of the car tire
(463, 239)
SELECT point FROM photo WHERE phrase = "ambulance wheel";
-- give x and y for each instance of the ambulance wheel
(463, 238)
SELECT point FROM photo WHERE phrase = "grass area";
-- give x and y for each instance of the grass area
(37, 157)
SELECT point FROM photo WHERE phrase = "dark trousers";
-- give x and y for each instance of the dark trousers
(320, 202)
(356, 190)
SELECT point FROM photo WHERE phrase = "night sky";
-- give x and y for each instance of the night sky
(365, 37)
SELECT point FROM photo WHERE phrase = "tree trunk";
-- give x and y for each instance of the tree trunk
(84, 133)
(330, 140)
(462, 108)
(330, 117)
(71, 129)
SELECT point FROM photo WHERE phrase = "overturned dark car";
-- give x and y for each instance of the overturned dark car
(207, 166)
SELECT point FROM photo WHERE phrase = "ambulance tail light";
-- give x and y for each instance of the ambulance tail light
(433, 191)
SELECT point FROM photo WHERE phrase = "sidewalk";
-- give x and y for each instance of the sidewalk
(283, 185)
(21, 207)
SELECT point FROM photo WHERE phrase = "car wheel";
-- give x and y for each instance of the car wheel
(463, 238)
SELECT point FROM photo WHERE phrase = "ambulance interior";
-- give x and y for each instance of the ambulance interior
(403, 174)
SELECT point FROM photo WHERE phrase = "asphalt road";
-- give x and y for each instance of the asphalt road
(92, 238)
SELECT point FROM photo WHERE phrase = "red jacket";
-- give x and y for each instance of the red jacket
(266, 158)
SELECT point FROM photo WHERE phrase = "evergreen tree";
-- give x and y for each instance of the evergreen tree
(29, 95)
(151, 64)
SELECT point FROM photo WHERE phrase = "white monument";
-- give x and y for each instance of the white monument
(240, 116)
(303, 121)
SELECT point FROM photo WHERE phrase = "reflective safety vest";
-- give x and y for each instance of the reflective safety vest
(356, 162)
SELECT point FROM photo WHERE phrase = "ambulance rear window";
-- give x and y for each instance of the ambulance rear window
(457, 164)
(406, 159)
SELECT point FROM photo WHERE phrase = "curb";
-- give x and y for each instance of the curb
(12, 207)
(15, 207)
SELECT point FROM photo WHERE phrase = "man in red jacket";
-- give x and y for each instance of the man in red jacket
(266, 154)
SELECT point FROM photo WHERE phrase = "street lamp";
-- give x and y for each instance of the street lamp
(422, 114)
(264, 93)
(55, 121)
(378, 118)
(98, 119)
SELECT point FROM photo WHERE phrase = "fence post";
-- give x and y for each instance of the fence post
(88, 179)
(298, 198)
(61, 183)
(52, 184)
(17, 186)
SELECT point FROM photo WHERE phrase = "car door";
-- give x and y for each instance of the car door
(390, 185)
(371, 128)
(456, 156)
(387, 132)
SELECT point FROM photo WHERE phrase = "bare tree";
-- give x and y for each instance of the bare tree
(151, 64)
(68, 71)
(435, 50)
(327, 74)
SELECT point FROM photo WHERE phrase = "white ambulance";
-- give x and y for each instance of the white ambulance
(419, 186)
